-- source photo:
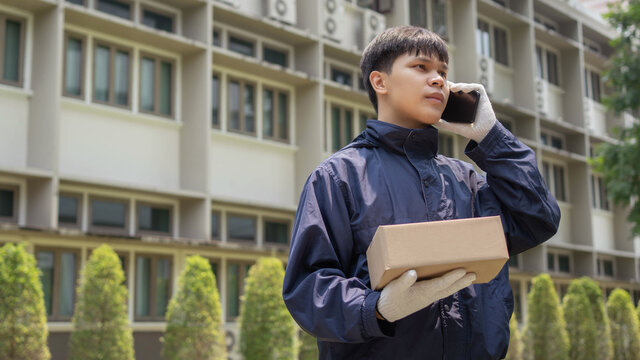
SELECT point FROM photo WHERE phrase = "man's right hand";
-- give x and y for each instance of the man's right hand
(404, 296)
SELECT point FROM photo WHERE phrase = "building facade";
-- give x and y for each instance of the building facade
(167, 128)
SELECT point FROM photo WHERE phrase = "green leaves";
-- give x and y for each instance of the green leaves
(581, 325)
(624, 326)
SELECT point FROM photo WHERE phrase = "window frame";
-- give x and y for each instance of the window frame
(275, 115)
(245, 38)
(277, 220)
(78, 197)
(152, 286)
(55, 288)
(174, 17)
(556, 261)
(243, 83)
(83, 58)
(105, 229)
(23, 28)
(552, 181)
(492, 40)
(545, 63)
(113, 49)
(244, 267)
(551, 134)
(598, 192)
(217, 75)
(277, 47)
(600, 266)
(153, 205)
(343, 126)
(589, 73)
(230, 214)
(131, 9)
(158, 60)
(220, 222)
(16, 189)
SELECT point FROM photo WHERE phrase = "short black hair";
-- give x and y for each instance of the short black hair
(394, 42)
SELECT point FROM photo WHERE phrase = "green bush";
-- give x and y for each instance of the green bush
(515, 341)
(100, 323)
(308, 346)
(194, 317)
(581, 326)
(545, 335)
(267, 331)
(23, 321)
(624, 326)
(604, 347)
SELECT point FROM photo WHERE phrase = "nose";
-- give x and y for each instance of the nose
(436, 80)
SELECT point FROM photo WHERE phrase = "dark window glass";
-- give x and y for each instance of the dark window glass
(340, 76)
(68, 209)
(46, 262)
(558, 175)
(114, 7)
(215, 102)
(165, 87)
(594, 191)
(539, 63)
(439, 18)
(6, 203)
(544, 139)
(153, 219)
(267, 112)
(217, 39)
(604, 202)
(517, 305)
(233, 290)
(73, 67)
(501, 46)
(12, 36)
(556, 142)
(595, 85)
(108, 213)
(163, 274)
(241, 46)
(157, 21)
(608, 268)
(551, 264)
(418, 13)
(363, 121)
(283, 118)
(67, 283)
(121, 78)
(335, 128)
(563, 263)
(143, 285)
(153, 287)
(348, 128)
(483, 41)
(249, 109)
(241, 227)
(147, 83)
(234, 105)
(101, 75)
(361, 83)
(276, 232)
(275, 56)
(552, 68)
(546, 173)
(513, 261)
(215, 225)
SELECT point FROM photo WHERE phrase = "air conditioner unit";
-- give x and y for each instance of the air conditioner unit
(542, 96)
(234, 3)
(333, 20)
(485, 70)
(282, 10)
(373, 24)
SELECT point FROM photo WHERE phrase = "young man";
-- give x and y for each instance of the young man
(392, 174)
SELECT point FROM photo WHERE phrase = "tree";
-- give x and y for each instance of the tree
(581, 326)
(619, 163)
(515, 342)
(23, 321)
(545, 335)
(100, 322)
(194, 317)
(308, 346)
(267, 331)
(624, 326)
(604, 346)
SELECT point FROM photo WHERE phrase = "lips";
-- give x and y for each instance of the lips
(436, 96)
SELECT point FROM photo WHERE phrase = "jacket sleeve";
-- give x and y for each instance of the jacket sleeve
(318, 294)
(530, 214)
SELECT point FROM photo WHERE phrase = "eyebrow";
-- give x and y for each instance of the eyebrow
(427, 60)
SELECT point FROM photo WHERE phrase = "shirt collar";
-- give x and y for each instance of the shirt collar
(404, 140)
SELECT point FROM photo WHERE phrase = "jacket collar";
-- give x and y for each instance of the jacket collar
(404, 140)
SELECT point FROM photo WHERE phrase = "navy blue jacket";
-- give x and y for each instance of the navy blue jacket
(393, 175)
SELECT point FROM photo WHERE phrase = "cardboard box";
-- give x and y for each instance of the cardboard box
(434, 248)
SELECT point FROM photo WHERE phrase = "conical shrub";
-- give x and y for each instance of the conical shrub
(100, 322)
(194, 317)
(581, 326)
(604, 346)
(515, 341)
(624, 326)
(23, 321)
(545, 335)
(267, 330)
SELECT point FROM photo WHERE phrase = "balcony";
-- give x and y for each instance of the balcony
(595, 115)
(550, 99)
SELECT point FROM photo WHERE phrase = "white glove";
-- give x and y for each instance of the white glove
(404, 296)
(485, 117)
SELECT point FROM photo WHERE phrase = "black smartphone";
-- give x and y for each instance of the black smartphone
(461, 107)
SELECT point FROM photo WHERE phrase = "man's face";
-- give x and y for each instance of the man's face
(417, 90)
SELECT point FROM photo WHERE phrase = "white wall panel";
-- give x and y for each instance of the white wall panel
(13, 130)
(564, 230)
(603, 230)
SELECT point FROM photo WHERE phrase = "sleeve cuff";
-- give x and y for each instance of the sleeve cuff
(480, 151)
(373, 327)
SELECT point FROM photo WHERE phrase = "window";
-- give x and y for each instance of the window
(445, 145)
(558, 262)
(236, 275)
(109, 215)
(514, 262)
(11, 49)
(114, 7)
(547, 65)
(215, 269)
(217, 37)
(152, 287)
(242, 108)
(215, 225)
(341, 76)
(545, 22)
(341, 127)
(156, 85)
(276, 231)
(215, 101)
(592, 85)
(554, 178)
(492, 41)
(74, 66)
(241, 46)
(552, 139)
(111, 75)
(275, 111)
(599, 193)
(69, 210)
(157, 20)
(58, 274)
(605, 267)
(275, 56)
(430, 14)
(8, 203)
(154, 219)
(241, 227)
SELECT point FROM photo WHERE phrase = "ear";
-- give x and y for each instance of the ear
(378, 82)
